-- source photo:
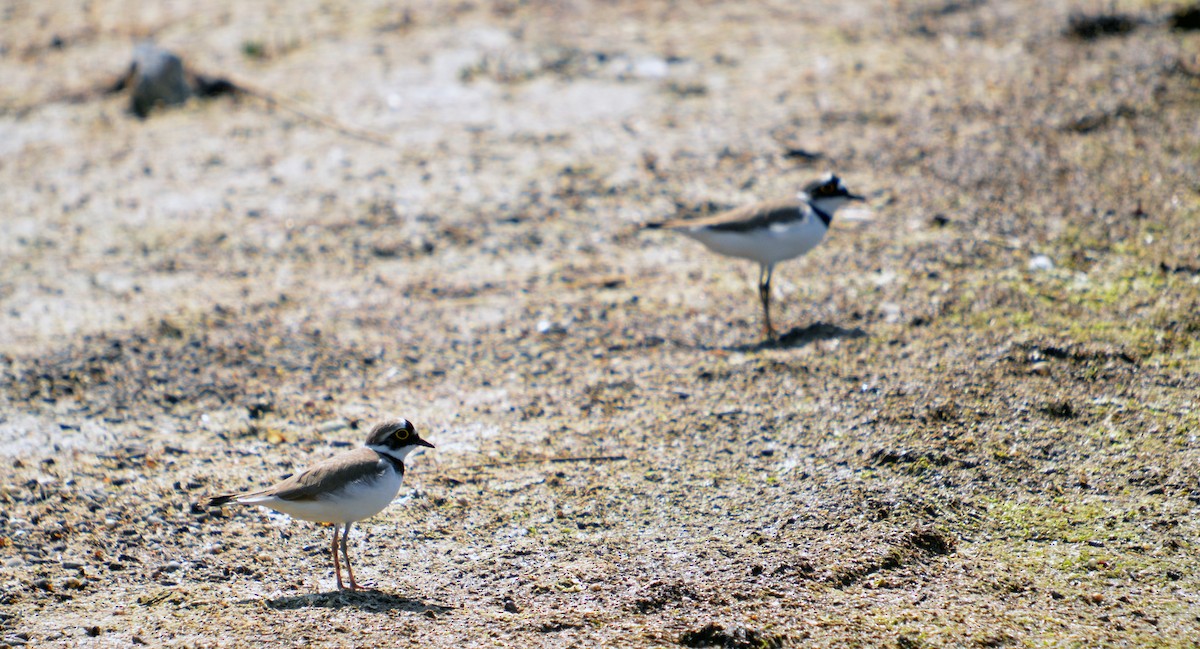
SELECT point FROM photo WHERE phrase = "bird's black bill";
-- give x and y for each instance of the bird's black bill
(421, 442)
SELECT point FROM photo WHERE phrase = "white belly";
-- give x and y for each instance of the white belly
(766, 246)
(358, 500)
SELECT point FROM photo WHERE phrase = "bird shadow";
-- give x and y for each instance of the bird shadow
(795, 338)
(371, 600)
(804, 336)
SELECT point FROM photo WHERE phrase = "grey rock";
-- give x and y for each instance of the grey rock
(158, 79)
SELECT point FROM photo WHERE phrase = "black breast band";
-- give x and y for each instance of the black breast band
(397, 464)
(825, 218)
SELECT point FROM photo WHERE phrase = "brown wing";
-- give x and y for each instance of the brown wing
(750, 217)
(320, 478)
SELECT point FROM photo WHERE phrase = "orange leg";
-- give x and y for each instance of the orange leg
(336, 566)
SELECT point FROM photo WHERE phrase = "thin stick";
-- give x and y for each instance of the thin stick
(552, 460)
(303, 112)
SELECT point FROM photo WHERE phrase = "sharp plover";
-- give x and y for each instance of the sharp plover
(344, 489)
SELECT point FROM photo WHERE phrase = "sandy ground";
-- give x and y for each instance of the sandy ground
(979, 429)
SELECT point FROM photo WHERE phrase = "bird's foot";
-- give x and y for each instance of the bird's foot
(369, 584)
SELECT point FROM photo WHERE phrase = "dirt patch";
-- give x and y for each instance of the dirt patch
(978, 429)
(715, 635)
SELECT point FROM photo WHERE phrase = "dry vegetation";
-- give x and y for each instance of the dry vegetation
(981, 429)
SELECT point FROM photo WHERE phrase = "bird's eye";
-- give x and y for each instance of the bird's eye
(402, 434)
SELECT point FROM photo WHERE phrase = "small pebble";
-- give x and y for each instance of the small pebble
(892, 313)
(333, 426)
(1041, 262)
(651, 68)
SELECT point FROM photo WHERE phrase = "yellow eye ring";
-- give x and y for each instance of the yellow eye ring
(402, 434)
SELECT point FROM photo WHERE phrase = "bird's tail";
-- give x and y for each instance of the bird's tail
(217, 501)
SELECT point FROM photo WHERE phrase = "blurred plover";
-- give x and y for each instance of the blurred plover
(769, 232)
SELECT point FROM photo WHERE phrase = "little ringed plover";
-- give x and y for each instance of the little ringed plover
(769, 232)
(343, 489)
